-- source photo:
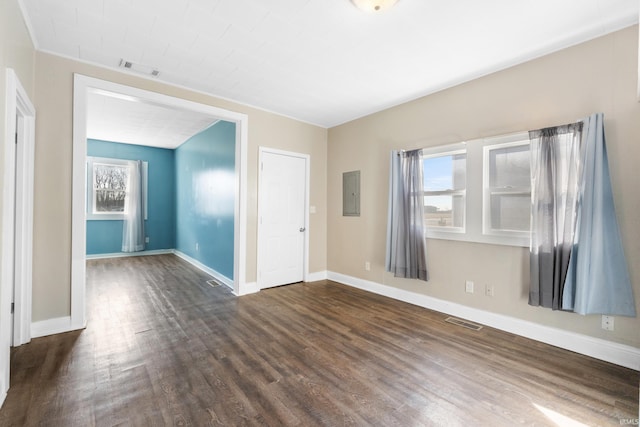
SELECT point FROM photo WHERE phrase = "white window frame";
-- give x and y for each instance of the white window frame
(448, 150)
(475, 205)
(92, 215)
(517, 238)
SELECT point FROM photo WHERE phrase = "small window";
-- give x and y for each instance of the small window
(107, 181)
(507, 189)
(445, 176)
(109, 188)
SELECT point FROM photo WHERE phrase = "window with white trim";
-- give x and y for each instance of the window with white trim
(479, 191)
(107, 188)
(110, 188)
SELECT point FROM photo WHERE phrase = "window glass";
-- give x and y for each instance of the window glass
(444, 190)
(510, 167)
(110, 186)
(509, 188)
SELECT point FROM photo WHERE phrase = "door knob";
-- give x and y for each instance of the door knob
(302, 229)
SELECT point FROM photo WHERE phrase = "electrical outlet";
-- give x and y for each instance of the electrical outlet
(607, 323)
(197, 247)
(488, 290)
(468, 287)
(367, 265)
(146, 240)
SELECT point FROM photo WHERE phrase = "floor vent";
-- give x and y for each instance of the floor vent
(463, 323)
(212, 283)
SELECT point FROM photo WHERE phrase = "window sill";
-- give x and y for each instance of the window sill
(105, 217)
(461, 236)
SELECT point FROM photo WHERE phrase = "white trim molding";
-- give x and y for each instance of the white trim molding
(316, 276)
(47, 327)
(608, 351)
(248, 288)
(210, 271)
(129, 254)
(17, 222)
(17, 214)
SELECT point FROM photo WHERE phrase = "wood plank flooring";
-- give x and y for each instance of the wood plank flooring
(162, 347)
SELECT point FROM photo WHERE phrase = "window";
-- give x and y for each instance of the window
(479, 191)
(109, 188)
(107, 181)
(444, 190)
(507, 189)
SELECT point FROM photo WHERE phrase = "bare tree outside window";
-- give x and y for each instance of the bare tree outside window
(110, 186)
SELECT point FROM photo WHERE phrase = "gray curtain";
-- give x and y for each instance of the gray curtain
(555, 168)
(133, 225)
(577, 258)
(406, 249)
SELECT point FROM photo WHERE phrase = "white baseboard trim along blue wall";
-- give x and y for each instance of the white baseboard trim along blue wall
(219, 277)
(127, 254)
(608, 351)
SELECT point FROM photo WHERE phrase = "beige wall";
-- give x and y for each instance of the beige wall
(597, 76)
(16, 52)
(52, 216)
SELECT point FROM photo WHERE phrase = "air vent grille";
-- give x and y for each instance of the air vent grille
(138, 68)
(463, 323)
(212, 283)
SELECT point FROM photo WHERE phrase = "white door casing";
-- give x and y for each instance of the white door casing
(283, 194)
(17, 222)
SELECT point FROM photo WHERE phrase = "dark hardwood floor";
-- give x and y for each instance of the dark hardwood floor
(162, 347)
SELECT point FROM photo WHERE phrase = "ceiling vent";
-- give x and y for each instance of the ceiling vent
(142, 69)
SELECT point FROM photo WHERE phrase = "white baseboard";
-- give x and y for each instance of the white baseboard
(213, 273)
(597, 348)
(57, 325)
(128, 254)
(316, 276)
(248, 288)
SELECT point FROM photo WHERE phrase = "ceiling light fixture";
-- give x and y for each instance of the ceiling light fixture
(373, 6)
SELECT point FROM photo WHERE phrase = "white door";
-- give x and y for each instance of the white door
(282, 218)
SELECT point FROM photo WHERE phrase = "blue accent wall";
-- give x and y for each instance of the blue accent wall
(205, 197)
(105, 236)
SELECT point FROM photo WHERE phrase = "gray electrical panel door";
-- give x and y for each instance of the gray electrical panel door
(351, 193)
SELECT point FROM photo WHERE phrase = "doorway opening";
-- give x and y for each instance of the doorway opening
(83, 86)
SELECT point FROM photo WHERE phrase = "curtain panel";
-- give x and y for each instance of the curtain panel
(576, 253)
(133, 237)
(406, 247)
(555, 168)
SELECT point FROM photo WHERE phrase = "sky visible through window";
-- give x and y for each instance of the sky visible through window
(438, 176)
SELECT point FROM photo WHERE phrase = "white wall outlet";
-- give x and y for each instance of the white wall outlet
(197, 246)
(367, 265)
(312, 209)
(468, 287)
(607, 323)
(488, 290)
(146, 240)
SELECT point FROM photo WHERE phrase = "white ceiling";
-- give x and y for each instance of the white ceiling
(320, 61)
(118, 118)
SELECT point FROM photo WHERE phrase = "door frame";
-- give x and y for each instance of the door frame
(83, 85)
(17, 247)
(307, 186)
